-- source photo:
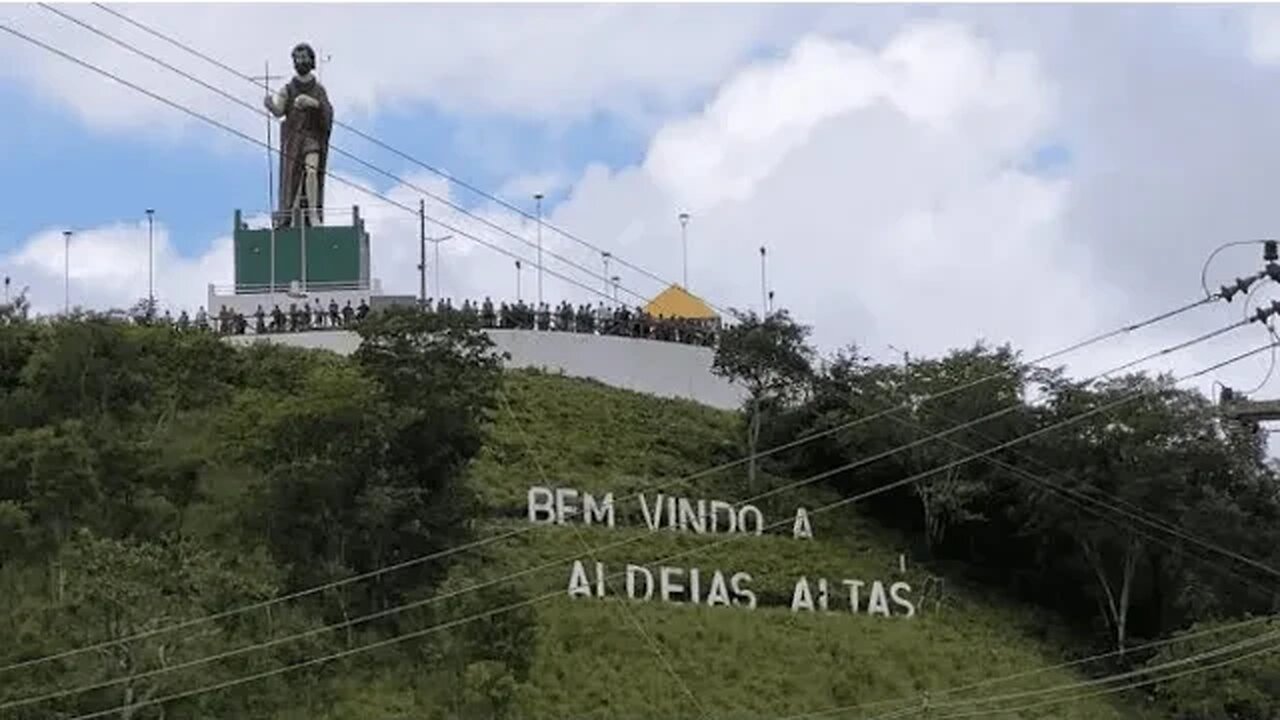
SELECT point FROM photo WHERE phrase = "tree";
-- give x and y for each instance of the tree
(772, 360)
(958, 390)
(1234, 690)
(363, 461)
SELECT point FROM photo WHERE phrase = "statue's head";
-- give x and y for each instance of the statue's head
(304, 58)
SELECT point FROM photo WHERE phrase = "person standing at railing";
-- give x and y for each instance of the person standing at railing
(334, 317)
(260, 321)
(487, 317)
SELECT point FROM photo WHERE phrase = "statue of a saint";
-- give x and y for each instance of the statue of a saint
(304, 140)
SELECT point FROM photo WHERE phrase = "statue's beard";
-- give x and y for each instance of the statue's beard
(302, 68)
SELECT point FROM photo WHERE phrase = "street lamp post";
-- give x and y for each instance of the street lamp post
(538, 199)
(151, 268)
(518, 299)
(422, 252)
(615, 280)
(684, 244)
(66, 272)
(604, 258)
(764, 296)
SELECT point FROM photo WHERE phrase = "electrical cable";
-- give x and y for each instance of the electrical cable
(1124, 675)
(623, 608)
(843, 502)
(590, 288)
(1134, 513)
(332, 147)
(1204, 269)
(1093, 682)
(1270, 326)
(205, 118)
(1172, 640)
(1111, 691)
(412, 562)
(403, 155)
(69, 57)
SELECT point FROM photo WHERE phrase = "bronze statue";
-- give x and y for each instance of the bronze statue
(304, 140)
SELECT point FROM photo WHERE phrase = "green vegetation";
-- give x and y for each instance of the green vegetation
(151, 477)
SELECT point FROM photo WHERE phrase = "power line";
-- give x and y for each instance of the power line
(400, 153)
(558, 593)
(623, 608)
(1137, 513)
(335, 148)
(1111, 691)
(1172, 640)
(812, 479)
(805, 439)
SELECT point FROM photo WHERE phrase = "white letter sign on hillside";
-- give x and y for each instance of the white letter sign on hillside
(694, 586)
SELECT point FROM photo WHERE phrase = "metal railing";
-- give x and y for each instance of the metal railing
(293, 287)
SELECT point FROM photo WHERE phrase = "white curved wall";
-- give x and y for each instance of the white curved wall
(664, 369)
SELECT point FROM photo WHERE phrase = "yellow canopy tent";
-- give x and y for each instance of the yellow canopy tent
(676, 302)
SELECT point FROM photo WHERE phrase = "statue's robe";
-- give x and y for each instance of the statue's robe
(303, 131)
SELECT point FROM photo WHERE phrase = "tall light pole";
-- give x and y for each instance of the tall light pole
(684, 244)
(764, 295)
(538, 199)
(66, 272)
(422, 252)
(518, 298)
(6, 289)
(615, 280)
(151, 263)
(604, 258)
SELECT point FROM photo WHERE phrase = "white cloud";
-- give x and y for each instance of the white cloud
(1263, 35)
(555, 62)
(887, 181)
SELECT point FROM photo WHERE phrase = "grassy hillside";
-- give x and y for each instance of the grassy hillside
(591, 659)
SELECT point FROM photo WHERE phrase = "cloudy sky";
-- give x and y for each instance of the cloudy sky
(921, 176)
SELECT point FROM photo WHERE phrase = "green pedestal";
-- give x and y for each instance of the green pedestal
(337, 257)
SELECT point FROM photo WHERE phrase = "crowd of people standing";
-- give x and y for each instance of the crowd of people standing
(599, 320)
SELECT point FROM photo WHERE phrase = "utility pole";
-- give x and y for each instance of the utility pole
(518, 298)
(604, 258)
(684, 244)
(538, 199)
(66, 272)
(422, 252)
(151, 271)
(615, 280)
